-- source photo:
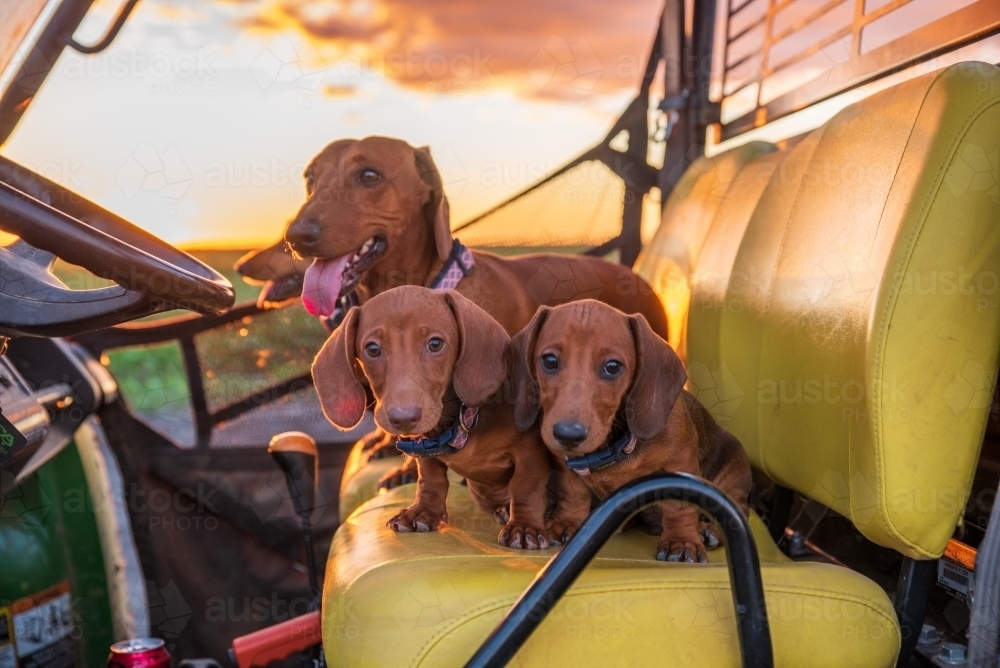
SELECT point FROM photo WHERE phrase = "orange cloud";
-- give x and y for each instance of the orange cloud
(562, 49)
(331, 90)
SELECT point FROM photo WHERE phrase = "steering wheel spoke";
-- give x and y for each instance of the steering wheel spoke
(36, 256)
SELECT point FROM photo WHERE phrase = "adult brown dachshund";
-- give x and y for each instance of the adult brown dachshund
(376, 217)
(436, 365)
(611, 394)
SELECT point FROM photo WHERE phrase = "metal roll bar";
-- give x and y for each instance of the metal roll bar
(559, 574)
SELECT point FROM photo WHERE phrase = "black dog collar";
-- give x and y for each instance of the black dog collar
(617, 451)
(344, 304)
(450, 441)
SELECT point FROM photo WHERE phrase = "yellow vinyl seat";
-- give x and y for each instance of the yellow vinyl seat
(837, 306)
(360, 480)
(431, 599)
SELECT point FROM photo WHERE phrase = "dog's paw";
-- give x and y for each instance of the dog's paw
(418, 519)
(523, 537)
(502, 515)
(404, 475)
(687, 552)
(559, 531)
(710, 537)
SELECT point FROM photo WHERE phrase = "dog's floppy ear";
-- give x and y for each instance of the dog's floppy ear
(658, 380)
(481, 368)
(278, 272)
(436, 211)
(527, 403)
(340, 393)
(273, 263)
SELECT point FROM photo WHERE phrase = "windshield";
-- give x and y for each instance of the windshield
(200, 118)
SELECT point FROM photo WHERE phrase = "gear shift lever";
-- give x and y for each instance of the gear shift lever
(295, 454)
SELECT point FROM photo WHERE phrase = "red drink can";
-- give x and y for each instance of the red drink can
(139, 653)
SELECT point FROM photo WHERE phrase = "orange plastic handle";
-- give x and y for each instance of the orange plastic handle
(257, 649)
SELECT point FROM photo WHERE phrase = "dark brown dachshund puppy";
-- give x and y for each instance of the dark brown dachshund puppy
(614, 409)
(436, 363)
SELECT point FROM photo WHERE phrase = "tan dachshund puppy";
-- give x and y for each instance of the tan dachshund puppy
(435, 363)
(611, 394)
(376, 217)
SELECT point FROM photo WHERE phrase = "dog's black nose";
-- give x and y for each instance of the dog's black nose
(303, 235)
(405, 419)
(570, 433)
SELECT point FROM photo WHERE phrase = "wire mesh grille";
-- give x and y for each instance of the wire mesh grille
(578, 209)
(258, 352)
(154, 385)
(299, 411)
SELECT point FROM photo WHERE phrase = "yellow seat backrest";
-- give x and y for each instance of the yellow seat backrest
(669, 259)
(844, 311)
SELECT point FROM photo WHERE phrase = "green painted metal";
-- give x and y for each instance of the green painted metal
(48, 535)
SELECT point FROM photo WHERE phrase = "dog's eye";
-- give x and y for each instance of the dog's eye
(310, 181)
(435, 344)
(550, 362)
(369, 177)
(372, 349)
(612, 368)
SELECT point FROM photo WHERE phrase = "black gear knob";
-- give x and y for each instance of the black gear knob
(295, 454)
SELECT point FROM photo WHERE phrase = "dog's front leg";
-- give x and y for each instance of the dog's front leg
(680, 539)
(573, 499)
(528, 492)
(429, 506)
(491, 498)
(406, 473)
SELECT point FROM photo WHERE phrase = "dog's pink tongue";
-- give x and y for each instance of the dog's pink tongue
(321, 285)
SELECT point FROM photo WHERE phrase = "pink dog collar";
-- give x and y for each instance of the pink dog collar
(459, 265)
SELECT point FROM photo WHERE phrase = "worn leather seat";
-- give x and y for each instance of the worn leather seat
(837, 306)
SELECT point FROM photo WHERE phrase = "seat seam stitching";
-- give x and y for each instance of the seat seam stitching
(774, 271)
(890, 306)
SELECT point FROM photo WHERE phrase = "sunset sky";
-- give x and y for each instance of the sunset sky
(198, 121)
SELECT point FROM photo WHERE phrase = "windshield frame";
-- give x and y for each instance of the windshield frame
(35, 57)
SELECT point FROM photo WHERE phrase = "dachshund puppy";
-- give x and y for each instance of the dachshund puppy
(611, 394)
(435, 363)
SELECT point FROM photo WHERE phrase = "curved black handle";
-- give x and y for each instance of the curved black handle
(300, 475)
(552, 581)
(110, 35)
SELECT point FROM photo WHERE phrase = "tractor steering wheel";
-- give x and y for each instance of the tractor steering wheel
(151, 275)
